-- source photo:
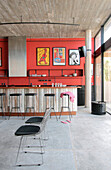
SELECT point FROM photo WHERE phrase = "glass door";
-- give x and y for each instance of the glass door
(98, 78)
(107, 79)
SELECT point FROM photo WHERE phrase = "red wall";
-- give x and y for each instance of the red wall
(4, 46)
(32, 44)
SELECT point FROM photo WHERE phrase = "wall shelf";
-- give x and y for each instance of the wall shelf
(53, 72)
(3, 73)
(55, 76)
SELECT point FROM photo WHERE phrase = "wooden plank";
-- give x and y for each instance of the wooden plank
(39, 101)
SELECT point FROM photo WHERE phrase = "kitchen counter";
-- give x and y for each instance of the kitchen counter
(39, 102)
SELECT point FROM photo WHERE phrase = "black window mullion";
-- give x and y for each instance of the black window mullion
(102, 63)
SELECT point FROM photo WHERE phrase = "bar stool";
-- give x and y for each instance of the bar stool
(47, 107)
(66, 106)
(14, 101)
(28, 96)
(2, 95)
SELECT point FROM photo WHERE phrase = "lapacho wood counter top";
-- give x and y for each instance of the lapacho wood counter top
(31, 87)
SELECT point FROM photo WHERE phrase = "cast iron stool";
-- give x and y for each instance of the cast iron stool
(28, 95)
(14, 98)
(1, 107)
(50, 95)
(62, 107)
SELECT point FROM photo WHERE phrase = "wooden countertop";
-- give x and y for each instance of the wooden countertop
(13, 87)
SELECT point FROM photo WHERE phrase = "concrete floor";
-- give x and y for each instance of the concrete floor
(83, 144)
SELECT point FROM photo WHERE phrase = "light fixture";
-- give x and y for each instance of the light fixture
(42, 23)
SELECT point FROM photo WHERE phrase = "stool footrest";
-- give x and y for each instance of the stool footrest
(15, 108)
(49, 95)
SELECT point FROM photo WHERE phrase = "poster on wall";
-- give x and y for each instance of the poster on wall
(59, 56)
(0, 57)
(74, 57)
(43, 56)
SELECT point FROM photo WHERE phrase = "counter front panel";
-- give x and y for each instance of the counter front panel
(39, 100)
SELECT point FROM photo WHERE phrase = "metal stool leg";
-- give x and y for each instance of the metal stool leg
(61, 112)
(3, 114)
(3, 104)
(32, 108)
(46, 105)
(70, 115)
(16, 106)
(55, 114)
(61, 109)
(10, 111)
(54, 109)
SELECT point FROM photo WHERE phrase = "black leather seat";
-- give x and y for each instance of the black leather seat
(34, 120)
(27, 130)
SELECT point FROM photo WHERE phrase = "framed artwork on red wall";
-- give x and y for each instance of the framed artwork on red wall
(74, 57)
(0, 56)
(59, 56)
(43, 56)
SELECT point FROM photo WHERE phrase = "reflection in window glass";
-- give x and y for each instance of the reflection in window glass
(107, 78)
(107, 30)
(98, 41)
(98, 78)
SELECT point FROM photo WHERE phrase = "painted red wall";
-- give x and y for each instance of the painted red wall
(32, 44)
(4, 46)
(72, 43)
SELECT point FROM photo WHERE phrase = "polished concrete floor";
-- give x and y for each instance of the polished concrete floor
(83, 144)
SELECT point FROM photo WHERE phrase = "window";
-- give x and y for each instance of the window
(98, 78)
(98, 41)
(107, 30)
(106, 66)
(107, 78)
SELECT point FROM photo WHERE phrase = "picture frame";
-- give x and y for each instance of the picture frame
(0, 56)
(59, 56)
(43, 56)
(74, 57)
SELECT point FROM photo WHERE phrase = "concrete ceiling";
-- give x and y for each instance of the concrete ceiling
(89, 14)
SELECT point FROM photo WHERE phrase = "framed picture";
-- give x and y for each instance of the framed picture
(59, 56)
(0, 56)
(43, 54)
(74, 57)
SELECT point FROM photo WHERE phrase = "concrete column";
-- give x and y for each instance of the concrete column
(88, 71)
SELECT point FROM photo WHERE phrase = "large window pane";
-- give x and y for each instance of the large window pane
(107, 30)
(98, 78)
(98, 41)
(107, 78)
